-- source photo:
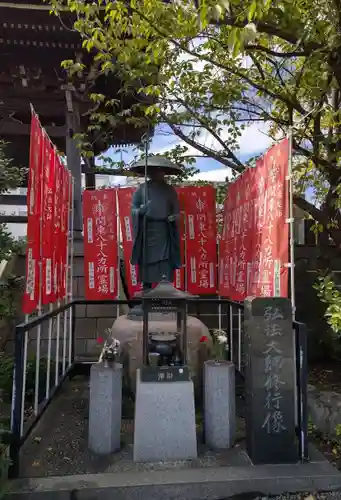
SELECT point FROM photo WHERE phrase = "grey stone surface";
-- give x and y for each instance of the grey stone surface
(270, 381)
(165, 427)
(324, 409)
(105, 408)
(219, 404)
(195, 484)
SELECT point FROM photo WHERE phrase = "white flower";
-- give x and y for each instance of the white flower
(222, 339)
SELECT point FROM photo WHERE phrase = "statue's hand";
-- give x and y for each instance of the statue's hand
(144, 208)
(172, 218)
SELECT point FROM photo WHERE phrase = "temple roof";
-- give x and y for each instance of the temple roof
(33, 44)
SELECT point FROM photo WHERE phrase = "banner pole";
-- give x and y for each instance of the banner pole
(291, 225)
(66, 271)
(118, 229)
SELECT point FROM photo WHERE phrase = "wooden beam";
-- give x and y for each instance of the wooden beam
(54, 106)
(12, 128)
(13, 219)
(13, 199)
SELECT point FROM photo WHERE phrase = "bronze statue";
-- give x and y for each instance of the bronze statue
(155, 216)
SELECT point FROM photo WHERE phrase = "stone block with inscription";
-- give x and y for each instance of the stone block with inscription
(165, 426)
(270, 381)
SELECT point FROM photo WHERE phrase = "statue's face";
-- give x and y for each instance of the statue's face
(156, 175)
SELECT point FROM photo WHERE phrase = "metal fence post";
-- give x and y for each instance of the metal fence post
(302, 388)
(17, 402)
(73, 332)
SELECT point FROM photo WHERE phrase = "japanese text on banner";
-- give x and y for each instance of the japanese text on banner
(34, 213)
(100, 244)
(254, 245)
(64, 227)
(201, 239)
(125, 196)
(49, 171)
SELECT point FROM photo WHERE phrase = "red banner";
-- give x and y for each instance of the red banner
(57, 240)
(125, 196)
(33, 253)
(100, 244)
(49, 182)
(64, 228)
(201, 239)
(254, 245)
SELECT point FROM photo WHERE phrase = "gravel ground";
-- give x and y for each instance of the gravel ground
(334, 495)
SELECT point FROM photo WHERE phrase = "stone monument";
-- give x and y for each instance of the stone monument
(165, 425)
(270, 381)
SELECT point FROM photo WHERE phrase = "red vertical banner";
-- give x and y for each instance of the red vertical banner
(57, 220)
(269, 277)
(64, 228)
(254, 245)
(125, 196)
(201, 239)
(33, 252)
(100, 244)
(179, 277)
(49, 170)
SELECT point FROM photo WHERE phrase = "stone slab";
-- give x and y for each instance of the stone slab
(105, 408)
(219, 404)
(165, 427)
(193, 484)
(270, 381)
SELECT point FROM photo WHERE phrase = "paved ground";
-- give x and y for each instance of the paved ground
(334, 495)
(59, 444)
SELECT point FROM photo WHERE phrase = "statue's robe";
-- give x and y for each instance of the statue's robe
(156, 245)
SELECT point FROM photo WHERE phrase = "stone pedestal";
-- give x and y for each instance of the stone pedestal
(105, 408)
(219, 404)
(130, 334)
(270, 381)
(165, 427)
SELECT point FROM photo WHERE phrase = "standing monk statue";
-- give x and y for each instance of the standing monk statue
(155, 216)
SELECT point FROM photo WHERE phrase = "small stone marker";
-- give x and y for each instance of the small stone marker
(270, 381)
(219, 404)
(105, 408)
(165, 428)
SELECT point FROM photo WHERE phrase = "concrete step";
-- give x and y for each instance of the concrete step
(190, 484)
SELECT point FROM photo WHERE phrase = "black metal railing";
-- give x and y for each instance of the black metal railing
(59, 362)
(301, 352)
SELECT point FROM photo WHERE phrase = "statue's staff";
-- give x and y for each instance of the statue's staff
(145, 138)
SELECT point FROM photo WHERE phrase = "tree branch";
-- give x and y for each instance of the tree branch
(274, 53)
(228, 69)
(216, 136)
(206, 151)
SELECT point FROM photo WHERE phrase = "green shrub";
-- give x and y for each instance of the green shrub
(6, 376)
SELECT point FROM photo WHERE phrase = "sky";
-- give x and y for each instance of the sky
(254, 141)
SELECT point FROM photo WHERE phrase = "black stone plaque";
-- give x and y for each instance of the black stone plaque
(270, 381)
(165, 374)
